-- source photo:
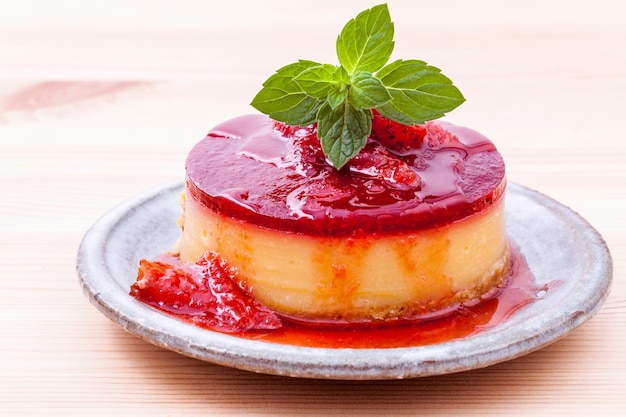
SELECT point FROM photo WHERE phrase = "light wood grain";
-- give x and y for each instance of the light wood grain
(545, 80)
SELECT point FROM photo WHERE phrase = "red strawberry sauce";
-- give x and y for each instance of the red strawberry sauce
(203, 295)
(276, 176)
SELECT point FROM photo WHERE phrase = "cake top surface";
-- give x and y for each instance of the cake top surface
(254, 169)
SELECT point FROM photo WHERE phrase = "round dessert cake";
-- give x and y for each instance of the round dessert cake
(402, 230)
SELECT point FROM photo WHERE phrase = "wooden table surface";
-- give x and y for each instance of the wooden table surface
(100, 101)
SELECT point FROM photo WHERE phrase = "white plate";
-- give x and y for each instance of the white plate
(557, 243)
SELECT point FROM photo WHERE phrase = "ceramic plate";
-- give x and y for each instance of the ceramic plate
(557, 243)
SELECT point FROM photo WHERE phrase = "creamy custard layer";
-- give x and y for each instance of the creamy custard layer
(344, 278)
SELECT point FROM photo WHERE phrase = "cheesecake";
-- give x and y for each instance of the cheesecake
(413, 226)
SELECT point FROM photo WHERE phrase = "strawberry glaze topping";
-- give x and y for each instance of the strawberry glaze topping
(406, 178)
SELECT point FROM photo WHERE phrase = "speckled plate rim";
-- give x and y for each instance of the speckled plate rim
(562, 249)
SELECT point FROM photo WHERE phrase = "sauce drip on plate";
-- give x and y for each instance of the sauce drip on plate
(204, 295)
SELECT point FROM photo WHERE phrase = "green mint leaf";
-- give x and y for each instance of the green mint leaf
(343, 131)
(318, 80)
(340, 98)
(339, 92)
(367, 91)
(283, 99)
(366, 42)
(419, 92)
(336, 97)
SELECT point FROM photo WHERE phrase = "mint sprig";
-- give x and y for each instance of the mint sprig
(340, 98)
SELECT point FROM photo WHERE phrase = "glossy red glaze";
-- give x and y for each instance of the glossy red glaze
(189, 293)
(253, 169)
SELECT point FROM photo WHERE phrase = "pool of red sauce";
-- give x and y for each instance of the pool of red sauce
(260, 323)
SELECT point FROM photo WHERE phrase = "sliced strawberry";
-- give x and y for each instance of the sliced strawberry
(438, 136)
(396, 137)
(204, 293)
(378, 162)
